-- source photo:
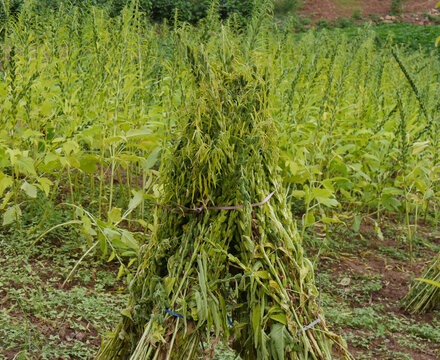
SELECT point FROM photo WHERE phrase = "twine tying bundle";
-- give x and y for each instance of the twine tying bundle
(198, 210)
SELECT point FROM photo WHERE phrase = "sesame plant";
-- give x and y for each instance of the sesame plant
(222, 263)
(424, 294)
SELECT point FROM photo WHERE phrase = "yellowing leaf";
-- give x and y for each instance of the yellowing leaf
(378, 231)
(345, 281)
(281, 318)
(274, 285)
(73, 162)
(30, 190)
(262, 274)
(45, 185)
(327, 220)
(46, 108)
(114, 215)
(309, 218)
(70, 147)
(11, 214)
(138, 132)
(298, 194)
(127, 314)
(88, 164)
(431, 282)
(121, 271)
(418, 147)
(5, 182)
(6, 199)
(25, 165)
(112, 256)
(135, 200)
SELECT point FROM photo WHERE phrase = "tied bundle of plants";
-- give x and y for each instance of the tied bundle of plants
(225, 261)
(424, 294)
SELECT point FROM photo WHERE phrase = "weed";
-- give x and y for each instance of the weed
(396, 7)
(357, 14)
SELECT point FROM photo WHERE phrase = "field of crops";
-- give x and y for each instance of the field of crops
(91, 104)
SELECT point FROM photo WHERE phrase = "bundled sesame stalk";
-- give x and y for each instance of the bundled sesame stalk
(225, 262)
(424, 294)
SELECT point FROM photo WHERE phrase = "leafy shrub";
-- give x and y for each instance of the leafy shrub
(357, 14)
(10, 9)
(343, 22)
(396, 6)
(283, 7)
(242, 8)
(187, 10)
(158, 10)
(323, 24)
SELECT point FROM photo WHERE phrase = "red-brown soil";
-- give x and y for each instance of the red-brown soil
(332, 9)
(369, 261)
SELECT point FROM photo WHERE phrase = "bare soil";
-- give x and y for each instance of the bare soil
(368, 261)
(412, 10)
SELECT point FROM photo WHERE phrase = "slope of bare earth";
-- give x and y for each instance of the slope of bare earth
(332, 9)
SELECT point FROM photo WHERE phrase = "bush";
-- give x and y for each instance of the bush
(158, 10)
(242, 8)
(396, 7)
(187, 10)
(12, 11)
(284, 7)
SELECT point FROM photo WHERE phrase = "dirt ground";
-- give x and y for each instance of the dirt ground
(332, 9)
(369, 277)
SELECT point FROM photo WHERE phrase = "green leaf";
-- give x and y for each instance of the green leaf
(121, 271)
(11, 214)
(88, 164)
(323, 196)
(112, 256)
(327, 202)
(281, 318)
(121, 239)
(280, 341)
(135, 200)
(356, 223)
(151, 160)
(70, 147)
(263, 274)
(298, 194)
(329, 220)
(127, 313)
(309, 218)
(129, 241)
(138, 132)
(277, 343)
(30, 190)
(256, 322)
